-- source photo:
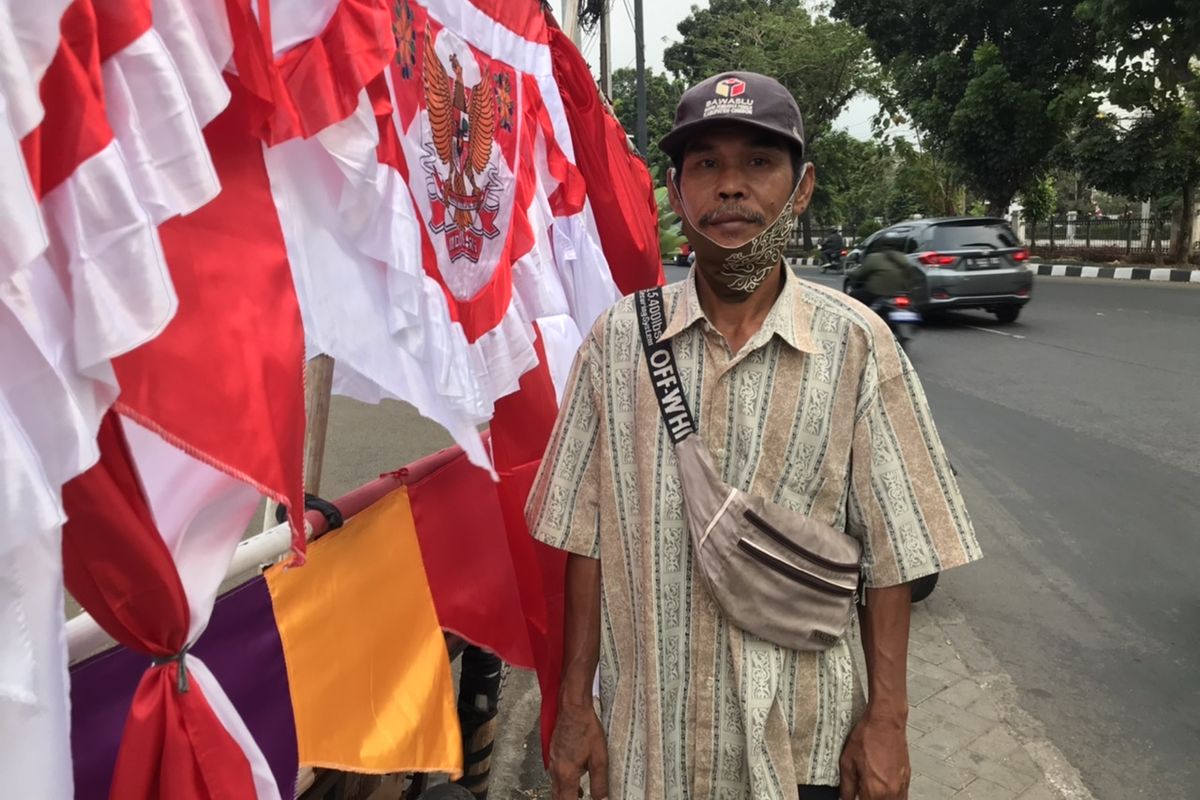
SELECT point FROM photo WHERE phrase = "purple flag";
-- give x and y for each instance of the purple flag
(241, 646)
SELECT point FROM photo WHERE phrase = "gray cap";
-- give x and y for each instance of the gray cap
(744, 97)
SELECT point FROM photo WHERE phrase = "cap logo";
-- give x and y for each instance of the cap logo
(729, 100)
(731, 87)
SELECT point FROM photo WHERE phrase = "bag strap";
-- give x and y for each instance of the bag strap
(660, 359)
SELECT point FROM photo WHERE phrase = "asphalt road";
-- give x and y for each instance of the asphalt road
(1076, 434)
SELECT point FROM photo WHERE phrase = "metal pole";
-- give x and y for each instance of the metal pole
(639, 35)
(605, 52)
(570, 21)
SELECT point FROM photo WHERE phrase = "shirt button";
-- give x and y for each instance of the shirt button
(720, 452)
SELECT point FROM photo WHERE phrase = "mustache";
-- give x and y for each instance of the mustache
(732, 210)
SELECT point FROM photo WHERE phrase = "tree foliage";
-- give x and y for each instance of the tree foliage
(670, 230)
(992, 85)
(662, 95)
(1040, 199)
(1150, 148)
(824, 63)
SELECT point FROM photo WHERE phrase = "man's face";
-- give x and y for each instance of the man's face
(734, 181)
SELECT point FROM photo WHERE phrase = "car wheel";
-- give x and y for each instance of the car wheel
(1007, 314)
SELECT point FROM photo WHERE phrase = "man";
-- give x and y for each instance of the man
(831, 247)
(884, 273)
(802, 399)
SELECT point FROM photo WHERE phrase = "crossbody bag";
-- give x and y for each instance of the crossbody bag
(774, 572)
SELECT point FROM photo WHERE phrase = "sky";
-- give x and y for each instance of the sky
(662, 19)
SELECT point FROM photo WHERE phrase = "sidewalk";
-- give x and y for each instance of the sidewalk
(967, 739)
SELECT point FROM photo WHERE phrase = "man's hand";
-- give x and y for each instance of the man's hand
(578, 747)
(874, 763)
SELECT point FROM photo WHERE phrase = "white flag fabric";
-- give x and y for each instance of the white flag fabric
(201, 514)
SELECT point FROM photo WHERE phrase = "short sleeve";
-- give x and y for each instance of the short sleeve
(563, 510)
(904, 503)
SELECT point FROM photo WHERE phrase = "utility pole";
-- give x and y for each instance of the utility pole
(639, 35)
(605, 52)
(570, 21)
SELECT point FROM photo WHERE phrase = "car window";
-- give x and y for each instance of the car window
(992, 235)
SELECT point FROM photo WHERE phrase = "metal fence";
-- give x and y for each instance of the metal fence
(1120, 235)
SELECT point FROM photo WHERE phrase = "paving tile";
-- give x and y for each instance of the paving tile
(1016, 772)
(957, 666)
(963, 693)
(937, 769)
(983, 789)
(946, 740)
(918, 666)
(936, 711)
(986, 708)
(1039, 791)
(995, 744)
(938, 653)
(921, 688)
(923, 788)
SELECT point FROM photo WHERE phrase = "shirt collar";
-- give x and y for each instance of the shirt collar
(790, 318)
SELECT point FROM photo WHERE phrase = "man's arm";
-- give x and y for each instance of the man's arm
(581, 631)
(875, 764)
(577, 745)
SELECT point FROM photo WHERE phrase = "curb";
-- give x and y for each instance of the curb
(1162, 274)
(1159, 274)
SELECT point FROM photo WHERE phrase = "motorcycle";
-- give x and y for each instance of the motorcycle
(834, 261)
(901, 316)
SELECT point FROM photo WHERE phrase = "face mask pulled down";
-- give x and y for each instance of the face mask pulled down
(744, 267)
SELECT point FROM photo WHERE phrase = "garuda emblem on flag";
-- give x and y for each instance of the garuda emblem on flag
(463, 182)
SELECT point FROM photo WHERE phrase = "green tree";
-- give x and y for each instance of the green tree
(1152, 76)
(824, 63)
(662, 95)
(670, 230)
(1040, 199)
(850, 179)
(923, 184)
(993, 85)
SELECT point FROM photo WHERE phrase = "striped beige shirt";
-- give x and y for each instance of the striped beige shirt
(820, 412)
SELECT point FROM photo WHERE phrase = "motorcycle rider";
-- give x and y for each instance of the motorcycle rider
(831, 248)
(884, 273)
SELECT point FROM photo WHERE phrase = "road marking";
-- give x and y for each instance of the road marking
(998, 333)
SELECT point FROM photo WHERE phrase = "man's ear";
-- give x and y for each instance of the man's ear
(673, 193)
(804, 193)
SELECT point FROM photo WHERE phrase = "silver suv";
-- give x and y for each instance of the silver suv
(964, 262)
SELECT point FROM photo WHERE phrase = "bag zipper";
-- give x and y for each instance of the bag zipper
(789, 571)
(783, 541)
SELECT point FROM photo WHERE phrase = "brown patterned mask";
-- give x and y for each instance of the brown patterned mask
(744, 267)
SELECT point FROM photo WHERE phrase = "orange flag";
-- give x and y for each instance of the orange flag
(366, 659)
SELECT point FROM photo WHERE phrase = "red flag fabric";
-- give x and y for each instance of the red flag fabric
(174, 746)
(618, 184)
(236, 341)
(71, 132)
(521, 429)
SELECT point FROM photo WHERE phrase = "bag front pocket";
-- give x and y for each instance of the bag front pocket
(791, 571)
(803, 552)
